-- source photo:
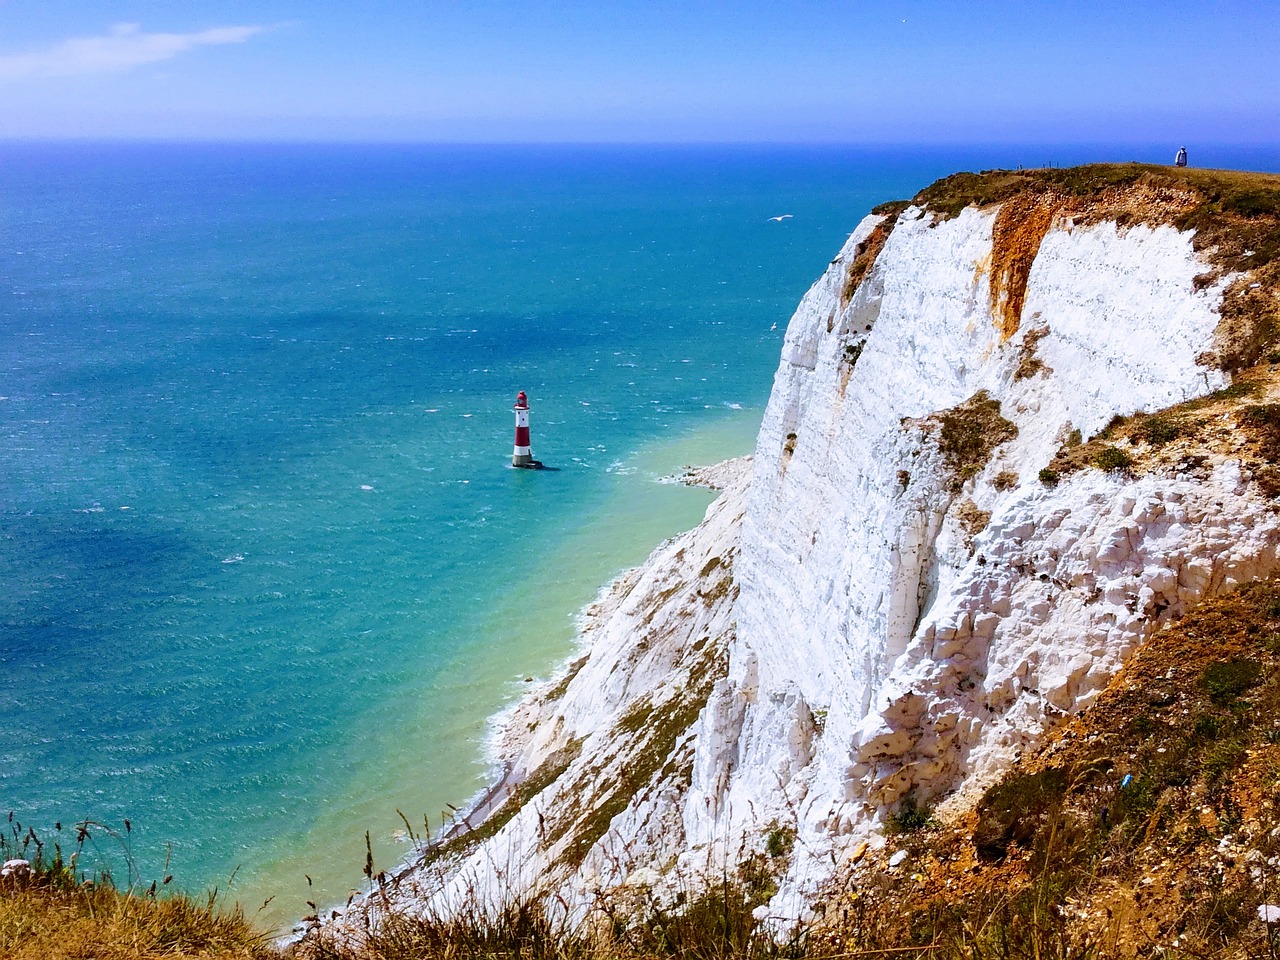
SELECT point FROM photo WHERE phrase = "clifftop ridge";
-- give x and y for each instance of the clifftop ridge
(1234, 216)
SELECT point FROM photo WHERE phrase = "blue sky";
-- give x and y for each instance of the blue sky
(863, 72)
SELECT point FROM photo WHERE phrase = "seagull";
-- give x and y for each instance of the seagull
(785, 216)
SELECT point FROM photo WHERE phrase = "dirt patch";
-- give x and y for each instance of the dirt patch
(1021, 225)
(972, 520)
(968, 434)
(1029, 364)
(864, 257)
(788, 451)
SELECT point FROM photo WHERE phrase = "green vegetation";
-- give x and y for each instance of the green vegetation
(1263, 421)
(1112, 458)
(1230, 192)
(909, 817)
(1138, 833)
(1183, 436)
(950, 195)
(1170, 774)
(551, 770)
(1157, 429)
(780, 841)
(1225, 682)
(891, 208)
(864, 256)
(1015, 810)
(558, 691)
(654, 731)
(968, 434)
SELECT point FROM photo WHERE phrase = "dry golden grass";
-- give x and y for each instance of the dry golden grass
(51, 910)
(42, 921)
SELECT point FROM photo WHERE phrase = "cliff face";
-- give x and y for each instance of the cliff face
(893, 600)
(937, 623)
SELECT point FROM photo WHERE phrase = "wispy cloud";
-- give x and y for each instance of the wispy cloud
(124, 47)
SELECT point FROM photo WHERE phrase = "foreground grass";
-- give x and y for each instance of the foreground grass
(714, 925)
(45, 923)
(50, 911)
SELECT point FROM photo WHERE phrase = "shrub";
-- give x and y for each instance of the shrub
(1224, 759)
(1112, 458)
(1049, 477)
(780, 841)
(1225, 682)
(1013, 810)
(909, 817)
(969, 432)
(1263, 423)
(1157, 430)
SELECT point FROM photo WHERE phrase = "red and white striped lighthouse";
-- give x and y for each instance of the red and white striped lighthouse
(521, 457)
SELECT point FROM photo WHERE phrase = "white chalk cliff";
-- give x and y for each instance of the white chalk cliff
(856, 621)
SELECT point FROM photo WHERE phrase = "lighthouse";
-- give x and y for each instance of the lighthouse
(521, 457)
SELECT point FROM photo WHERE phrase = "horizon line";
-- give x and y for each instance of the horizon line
(461, 142)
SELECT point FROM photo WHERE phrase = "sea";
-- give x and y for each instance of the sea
(266, 573)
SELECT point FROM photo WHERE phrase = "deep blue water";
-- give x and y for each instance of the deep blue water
(263, 567)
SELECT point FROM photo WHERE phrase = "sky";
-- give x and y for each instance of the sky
(843, 71)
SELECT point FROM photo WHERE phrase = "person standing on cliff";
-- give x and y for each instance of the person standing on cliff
(1181, 159)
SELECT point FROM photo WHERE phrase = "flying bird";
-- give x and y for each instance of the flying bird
(785, 216)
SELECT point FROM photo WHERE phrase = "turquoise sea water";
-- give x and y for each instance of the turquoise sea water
(264, 569)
